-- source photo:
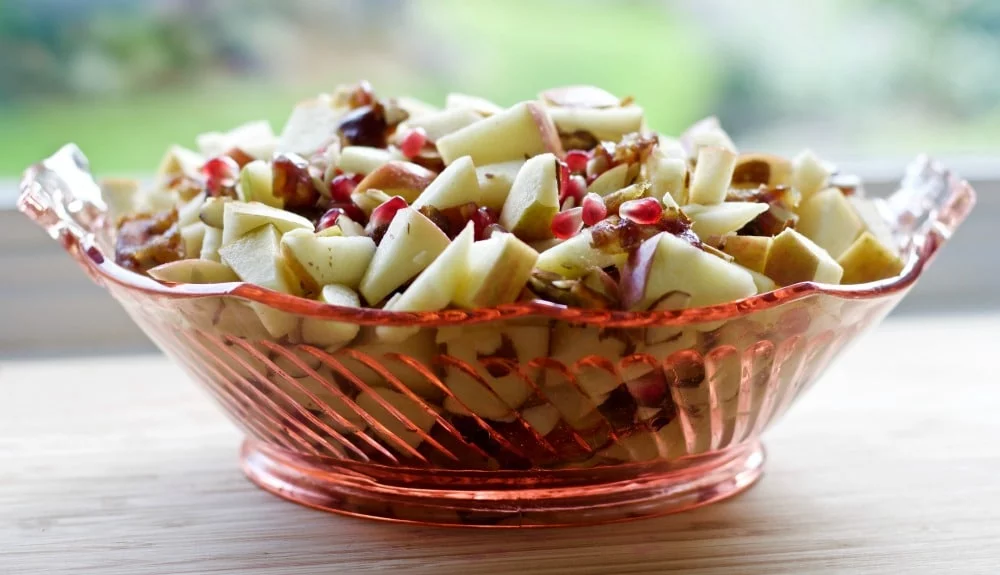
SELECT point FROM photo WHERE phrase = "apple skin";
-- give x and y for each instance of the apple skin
(397, 178)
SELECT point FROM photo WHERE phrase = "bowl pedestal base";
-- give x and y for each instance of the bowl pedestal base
(504, 499)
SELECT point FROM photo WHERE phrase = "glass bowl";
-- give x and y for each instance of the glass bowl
(528, 414)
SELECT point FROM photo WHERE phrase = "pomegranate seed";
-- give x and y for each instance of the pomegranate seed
(413, 142)
(220, 172)
(481, 220)
(220, 167)
(357, 178)
(329, 219)
(384, 213)
(349, 209)
(567, 224)
(576, 161)
(649, 390)
(594, 209)
(341, 187)
(575, 187)
(642, 211)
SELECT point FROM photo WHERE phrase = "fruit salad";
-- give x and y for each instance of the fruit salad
(400, 205)
(394, 203)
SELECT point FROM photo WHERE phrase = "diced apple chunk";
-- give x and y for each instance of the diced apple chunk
(533, 200)
(712, 175)
(320, 261)
(573, 257)
(455, 186)
(721, 219)
(257, 184)
(828, 219)
(179, 161)
(397, 178)
(193, 238)
(749, 251)
(522, 131)
(795, 258)
(194, 271)
(363, 159)
(409, 245)
(256, 258)
(439, 124)
(481, 106)
(255, 139)
(210, 244)
(666, 263)
(498, 269)
(809, 175)
(311, 127)
(332, 334)
(667, 176)
(238, 218)
(434, 288)
(706, 133)
(495, 181)
(868, 260)
(606, 124)
(609, 181)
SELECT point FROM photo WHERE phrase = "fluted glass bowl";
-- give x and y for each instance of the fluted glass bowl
(524, 415)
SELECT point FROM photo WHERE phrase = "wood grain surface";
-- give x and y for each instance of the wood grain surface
(121, 465)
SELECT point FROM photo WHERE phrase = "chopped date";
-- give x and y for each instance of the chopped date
(145, 241)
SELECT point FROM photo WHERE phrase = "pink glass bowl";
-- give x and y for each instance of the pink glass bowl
(529, 414)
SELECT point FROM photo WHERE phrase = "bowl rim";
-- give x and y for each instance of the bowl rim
(925, 217)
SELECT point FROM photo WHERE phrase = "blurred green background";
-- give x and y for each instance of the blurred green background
(851, 78)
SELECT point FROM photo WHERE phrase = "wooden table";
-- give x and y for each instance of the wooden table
(120, 465)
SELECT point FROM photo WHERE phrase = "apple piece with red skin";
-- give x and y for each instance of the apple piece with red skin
(524, 130)
(397, 178)
(666, 263)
